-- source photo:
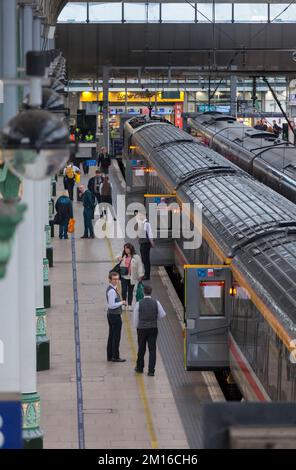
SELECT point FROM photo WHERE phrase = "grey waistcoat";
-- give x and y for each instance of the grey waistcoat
(114, 311)
(148, 313)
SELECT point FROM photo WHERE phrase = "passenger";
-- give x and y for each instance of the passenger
(114, 312)
(94, 185)
(276, 128)
(147, 312)
(69, 178)
(264, 125)
(64, 210)
(146, 242)
(132, 271)
(106, 198)
(104, 161)
(258, 125)
(88, 211)
(89, 137)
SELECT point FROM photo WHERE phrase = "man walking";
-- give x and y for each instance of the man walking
(89, 206)
(147, 312)
(114, 318)
(104, 161)
(146, 242)
(94, 185)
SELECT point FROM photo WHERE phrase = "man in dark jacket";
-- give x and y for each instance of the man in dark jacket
(94, 185)
(89, 205)
(104, 161)
(147, 312)
(64, 210)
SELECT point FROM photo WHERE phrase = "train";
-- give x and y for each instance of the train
(262, 154)
(240, 284)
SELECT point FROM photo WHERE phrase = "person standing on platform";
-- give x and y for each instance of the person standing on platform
(146, 242)
(94, 185)
(64, 210)
(114, 312)
(106, 198)
(132, 271)
(104, 161)
(89, 206)
(69, 178)
(147, 312)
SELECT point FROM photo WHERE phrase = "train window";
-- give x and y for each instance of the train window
(211, 298)
(273, 364)
(139, 177)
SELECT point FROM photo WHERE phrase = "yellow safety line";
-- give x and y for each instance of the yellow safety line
(139, 378)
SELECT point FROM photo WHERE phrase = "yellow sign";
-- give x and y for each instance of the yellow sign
(132, 97)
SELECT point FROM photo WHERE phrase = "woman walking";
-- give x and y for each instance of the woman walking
(132, 271)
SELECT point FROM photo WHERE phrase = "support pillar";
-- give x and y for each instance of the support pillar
(32, 435)
(10, 387)
(233, 99)
(106, 107)
(43, 346)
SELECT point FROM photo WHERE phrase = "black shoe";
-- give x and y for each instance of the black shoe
(109, 360)
(114, 220)
(92, 236)
(119, 360)
(138, 371)
(150, 374)
(84, 236)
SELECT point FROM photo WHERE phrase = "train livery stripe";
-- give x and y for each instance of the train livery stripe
(245, 369)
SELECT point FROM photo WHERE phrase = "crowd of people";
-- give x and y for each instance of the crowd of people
(263, 125)
(132, 269)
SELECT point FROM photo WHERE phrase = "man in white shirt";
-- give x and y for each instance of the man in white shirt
(146, 242)
(147, 312)
(115, 304)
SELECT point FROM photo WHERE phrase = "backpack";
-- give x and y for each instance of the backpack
(106, 189)
(70, 172)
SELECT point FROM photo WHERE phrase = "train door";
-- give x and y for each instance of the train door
(207, 311)
(164, 216)
(136, 180)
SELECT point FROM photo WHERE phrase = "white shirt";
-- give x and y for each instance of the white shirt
(75, 169)
(112, 295)
(161, 312)
(148, 229)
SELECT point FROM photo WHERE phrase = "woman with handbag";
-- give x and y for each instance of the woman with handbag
(64, 210)
(131, 272)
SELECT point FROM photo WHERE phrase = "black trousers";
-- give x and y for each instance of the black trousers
(115, 325)
(127, 290)
(145, 255)
(147, 336)
(70, 183)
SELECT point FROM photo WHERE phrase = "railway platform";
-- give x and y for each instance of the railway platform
(88, 402)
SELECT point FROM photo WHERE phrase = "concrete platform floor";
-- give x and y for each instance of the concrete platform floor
(120, 409)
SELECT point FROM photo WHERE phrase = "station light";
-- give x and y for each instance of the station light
(35, 144)
(232, 291)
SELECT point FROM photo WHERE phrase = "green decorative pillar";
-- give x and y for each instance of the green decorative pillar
(32, 435)
(42, 341)
(46, 284)
(49, 247)
(53, 187)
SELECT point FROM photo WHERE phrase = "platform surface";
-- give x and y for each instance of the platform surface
(90, 403)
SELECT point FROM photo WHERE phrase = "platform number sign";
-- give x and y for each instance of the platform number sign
(10, 425)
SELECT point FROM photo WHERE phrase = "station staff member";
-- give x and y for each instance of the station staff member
(115, 304)
(147, 312)
(146, 242)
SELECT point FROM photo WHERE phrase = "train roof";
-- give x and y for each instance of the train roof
(251, 223)
(263, 144)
